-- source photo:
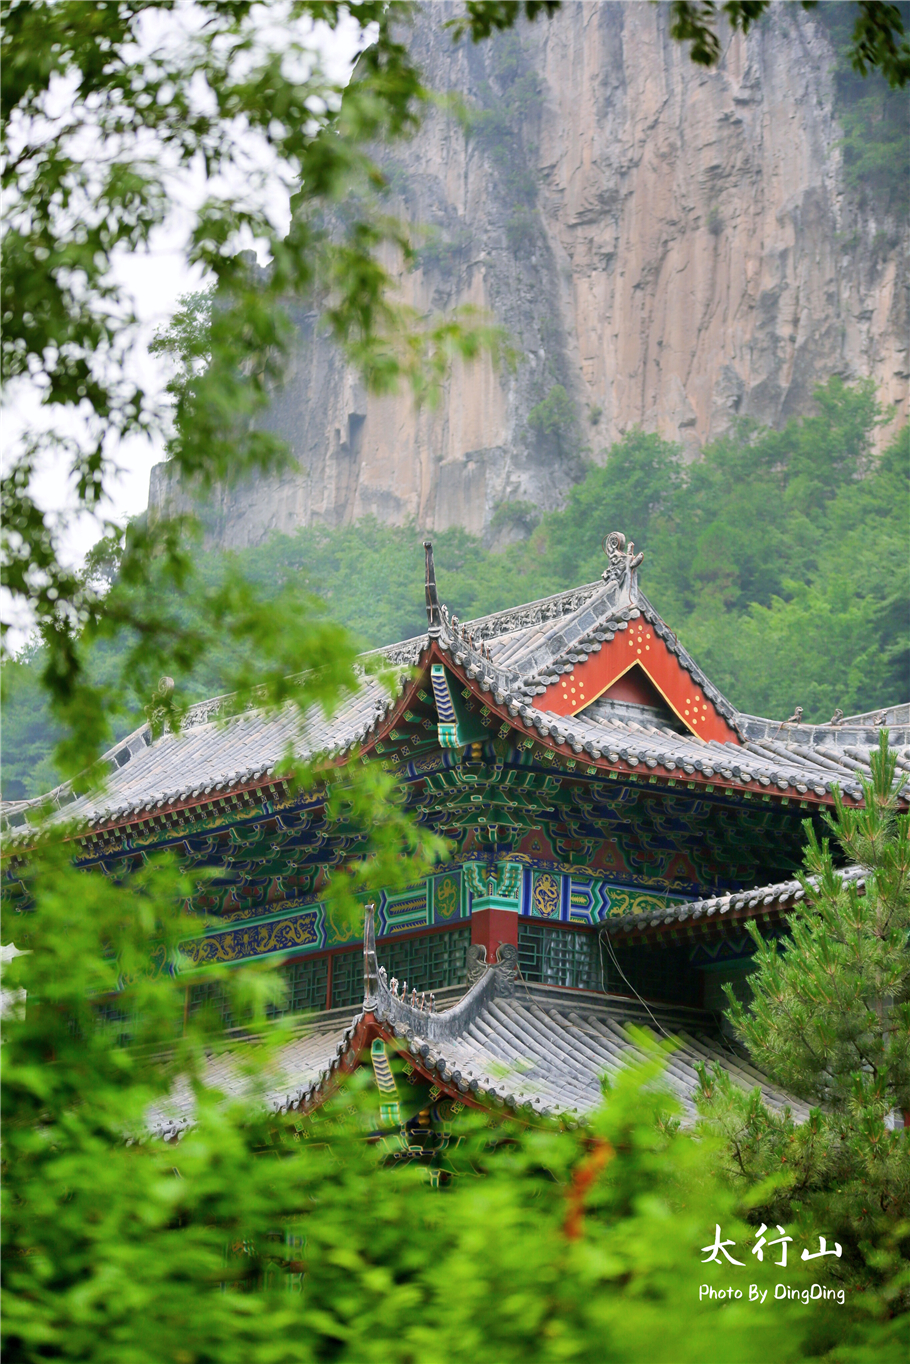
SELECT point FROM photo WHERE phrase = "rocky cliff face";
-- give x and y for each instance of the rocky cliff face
(667, 247)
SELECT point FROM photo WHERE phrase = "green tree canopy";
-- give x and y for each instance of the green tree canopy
(829, 1019)
(270, 1239)
(103, 111)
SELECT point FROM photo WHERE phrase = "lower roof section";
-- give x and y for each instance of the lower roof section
(530, 1049)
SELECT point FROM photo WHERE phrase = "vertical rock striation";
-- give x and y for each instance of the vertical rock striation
(666, 246)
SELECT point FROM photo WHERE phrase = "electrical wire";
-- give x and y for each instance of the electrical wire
(605, 937)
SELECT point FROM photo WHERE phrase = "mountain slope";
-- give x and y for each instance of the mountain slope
(667, 246)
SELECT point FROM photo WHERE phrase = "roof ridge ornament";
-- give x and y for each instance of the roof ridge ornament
(623, 562)
(434, 615)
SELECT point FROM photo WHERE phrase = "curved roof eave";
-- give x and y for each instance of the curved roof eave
(511, 661)
(758, 767)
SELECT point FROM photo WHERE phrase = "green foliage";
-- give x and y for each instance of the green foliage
(188, 340)
(830, 1020)
(443, 252)
(522, 229)
(820, 621)
(554, 415)
(874, 118)
(634, 486)
(523, 516)
(876, 41)
(267, 1238)
(30, 732)
(500, 127)
(99, 123)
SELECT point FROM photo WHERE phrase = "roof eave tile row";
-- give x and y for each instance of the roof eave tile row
(373, 711)
(499, 1045)
(780, 896)
(532, 1057)
(675, 753)
(820, 760)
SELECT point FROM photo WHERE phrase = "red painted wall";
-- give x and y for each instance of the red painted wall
(492, 927)
(609, 671)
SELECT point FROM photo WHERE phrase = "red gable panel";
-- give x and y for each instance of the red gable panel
(638, 647)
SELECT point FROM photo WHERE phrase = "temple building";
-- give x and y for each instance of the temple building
(614, 823)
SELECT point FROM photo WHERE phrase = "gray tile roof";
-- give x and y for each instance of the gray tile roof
(789, 766)
(549, 1057)
(508, 656)
(302, 1063)
(540, 1049)
(781, 895)
(214, 752)
(531, 1050)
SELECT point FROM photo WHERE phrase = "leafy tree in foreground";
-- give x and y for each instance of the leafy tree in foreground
(106, 110)
(877, 40)
(130, 1251)
(282, 1240)
(830, 1020)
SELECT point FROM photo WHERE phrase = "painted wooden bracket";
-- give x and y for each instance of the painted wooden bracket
(456, 727)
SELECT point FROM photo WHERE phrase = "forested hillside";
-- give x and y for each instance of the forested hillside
(780, 558)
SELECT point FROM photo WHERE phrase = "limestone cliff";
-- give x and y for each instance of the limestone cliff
(666, 246)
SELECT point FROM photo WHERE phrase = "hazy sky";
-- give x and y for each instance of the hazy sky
(156, 280)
